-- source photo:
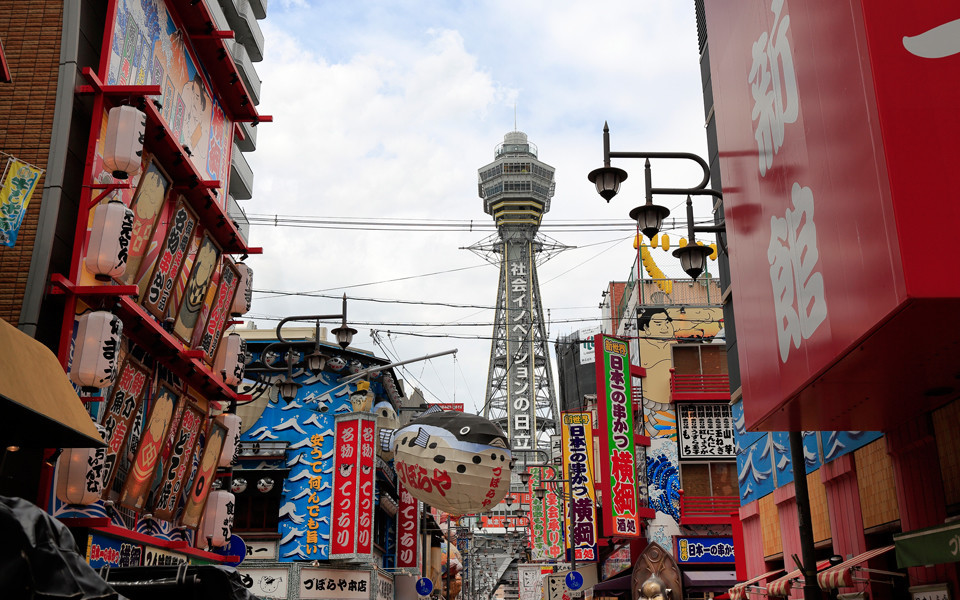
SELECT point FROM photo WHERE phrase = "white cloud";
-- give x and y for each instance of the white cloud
(388, 111)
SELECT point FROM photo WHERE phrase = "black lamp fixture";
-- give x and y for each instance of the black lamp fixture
(313, 358)
(509, 501)
(541, 493)
(693, 257)
(650, 216)
(524, 477)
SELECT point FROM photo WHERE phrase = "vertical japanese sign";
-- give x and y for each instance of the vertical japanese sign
(155, 431)
(181, 456)
(172, 254)
(220, 309)
(146, 206)
(343, 534)
(313, 496)
(366, 484)
(538, 523)
(521, 389)
(206, 471)
(125, 399)
(16, 187)
(577, 434)
(202, 274)
(617, 463)
(408, 530)
(554, 534)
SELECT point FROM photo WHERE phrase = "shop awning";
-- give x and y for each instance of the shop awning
(738, 592)
(929, 546)
(709, 580)
(842, 574)
(38, 405)
(614, 584)
(781, 587)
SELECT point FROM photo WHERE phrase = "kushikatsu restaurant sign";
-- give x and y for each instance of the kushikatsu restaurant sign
(704, 550)
(577, 434)
(616, 464)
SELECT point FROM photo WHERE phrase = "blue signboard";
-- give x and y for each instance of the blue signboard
(105, 550)
(574, 580)
(704, 550)
(424, 586)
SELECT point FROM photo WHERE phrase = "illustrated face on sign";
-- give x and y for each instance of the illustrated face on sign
(270, 584)
(336, 364)
(457, 462)
(656, 323)
(265, 485)
(239, 485)
(206, 262)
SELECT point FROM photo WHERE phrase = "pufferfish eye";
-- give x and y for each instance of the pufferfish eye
(464, 430)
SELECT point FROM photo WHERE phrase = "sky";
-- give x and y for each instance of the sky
(386, 110)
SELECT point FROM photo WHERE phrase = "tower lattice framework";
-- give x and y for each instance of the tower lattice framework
(516, 189)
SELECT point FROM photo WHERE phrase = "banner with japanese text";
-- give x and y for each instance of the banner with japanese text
(16, 187)
(577, 444)
(124, 401)
(354, 487)
(408, 530)
(617, 463)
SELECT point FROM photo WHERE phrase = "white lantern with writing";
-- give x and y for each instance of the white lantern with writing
(244, 297)
(233, 424)
(216, 527)
(109, 240)
(95, 352)
(123, 145)
(230, 359)
(80, 474)
(456, 462)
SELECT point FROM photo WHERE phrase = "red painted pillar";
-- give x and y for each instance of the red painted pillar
(752, 547)
(739, 546)
(839, 479)
(786, 500)
(920, 496)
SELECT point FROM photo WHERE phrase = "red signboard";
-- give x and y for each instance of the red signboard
(124, 402)
(408, 528)
(454, 406)
(343, 530)
(835, 121)
(365, 485)
(181, 456)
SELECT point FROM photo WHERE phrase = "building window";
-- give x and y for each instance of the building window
(256, 512)
(700, 359)
(709, 479)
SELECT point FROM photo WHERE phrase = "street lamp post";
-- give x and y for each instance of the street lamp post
(650, 216)
(315, 360)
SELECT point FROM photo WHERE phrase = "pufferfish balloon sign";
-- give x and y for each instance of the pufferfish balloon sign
(456, 462)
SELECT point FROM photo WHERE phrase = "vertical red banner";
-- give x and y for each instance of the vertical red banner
(408, 529)
(343, 534)
(366, 484)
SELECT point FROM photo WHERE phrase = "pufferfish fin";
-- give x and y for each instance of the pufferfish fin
(386, 439)
(422, 438)
(432, 409)
(499, 443)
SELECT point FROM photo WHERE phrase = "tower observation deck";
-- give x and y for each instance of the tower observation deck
(516, 189)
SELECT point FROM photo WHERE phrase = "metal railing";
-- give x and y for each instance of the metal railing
(696, 386)
(707, 508)
(668, 292)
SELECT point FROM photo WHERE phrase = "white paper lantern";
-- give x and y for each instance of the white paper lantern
(109, 240)
(456, 462)
(217, 524)
(95, 353)
(123, 146)
(230, 443)
(230, 359)
(244, 297)
(80, 474)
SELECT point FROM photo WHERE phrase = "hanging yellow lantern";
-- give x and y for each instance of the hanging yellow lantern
(456, 462)
(109, 240)
(714, 248)
(665, 242)
(244, 295)
(80, 474)
(217, 525)
(231, 359)
(123, 145)
(95, 353)
(233, 424)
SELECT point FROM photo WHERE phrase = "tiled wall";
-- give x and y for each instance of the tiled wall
(878, 488)
(31, 44)
(946, 424)
(818, 507)
(770, 526)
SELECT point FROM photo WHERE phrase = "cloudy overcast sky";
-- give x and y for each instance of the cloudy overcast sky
(385, 110)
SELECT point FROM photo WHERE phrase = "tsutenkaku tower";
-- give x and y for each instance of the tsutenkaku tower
(516, 189)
